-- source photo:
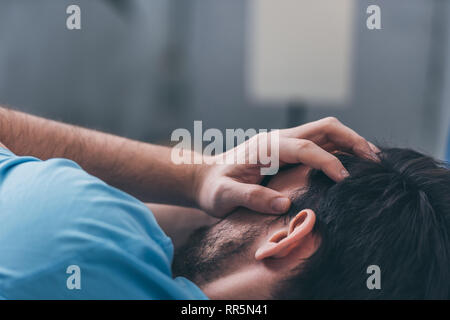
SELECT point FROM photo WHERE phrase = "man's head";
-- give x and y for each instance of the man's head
(394, 214)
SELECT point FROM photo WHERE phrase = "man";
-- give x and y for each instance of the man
(67, 234)
(393, 215)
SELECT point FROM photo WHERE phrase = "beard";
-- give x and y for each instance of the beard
(214, 251)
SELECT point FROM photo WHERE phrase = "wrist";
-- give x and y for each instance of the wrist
(200, 176)
(199, 172)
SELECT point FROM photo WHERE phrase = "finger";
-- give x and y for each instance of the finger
(374, 147)
(347, 139)
(258, 198)
(307, 152)
(331, 148)
(332, 130)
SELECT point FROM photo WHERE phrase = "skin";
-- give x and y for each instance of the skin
(268, 262)
(273, 254)
(147, 172)
(179, 222)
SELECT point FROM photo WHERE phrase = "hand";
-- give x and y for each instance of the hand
(223, 187)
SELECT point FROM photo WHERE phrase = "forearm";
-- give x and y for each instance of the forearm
(141, 169)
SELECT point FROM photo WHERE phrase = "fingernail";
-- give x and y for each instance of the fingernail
(344, 173)
(374, 147)
(280, 204)
(374, 156)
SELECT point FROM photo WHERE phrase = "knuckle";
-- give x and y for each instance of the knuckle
(362, 141)
(330, 125)
(217, 191)
(220, 189)
(331, 121)
(251, 194)
(361, 144)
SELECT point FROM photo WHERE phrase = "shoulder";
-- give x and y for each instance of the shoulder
(54, 214)
(61, 190)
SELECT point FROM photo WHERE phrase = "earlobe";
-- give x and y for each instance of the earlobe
(281, 243)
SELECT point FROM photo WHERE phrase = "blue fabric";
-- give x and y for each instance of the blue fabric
(54, 215)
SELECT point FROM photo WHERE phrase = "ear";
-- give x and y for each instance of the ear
(282, 242)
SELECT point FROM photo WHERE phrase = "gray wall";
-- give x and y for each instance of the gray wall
(106, 76)
(142, 68)
(443, 140)
(390, 102)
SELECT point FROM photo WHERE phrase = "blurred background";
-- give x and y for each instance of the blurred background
(142, 68)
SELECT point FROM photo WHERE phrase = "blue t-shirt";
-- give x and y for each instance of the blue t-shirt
(65, 234)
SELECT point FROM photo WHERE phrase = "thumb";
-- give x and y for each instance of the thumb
(258, 198)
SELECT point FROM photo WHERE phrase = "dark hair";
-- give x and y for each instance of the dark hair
(394, 214)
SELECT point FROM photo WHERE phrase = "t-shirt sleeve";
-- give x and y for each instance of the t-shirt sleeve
(65, 234)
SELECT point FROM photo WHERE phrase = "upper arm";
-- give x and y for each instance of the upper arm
(54, 215)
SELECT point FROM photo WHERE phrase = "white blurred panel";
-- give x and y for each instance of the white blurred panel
(300, 50)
